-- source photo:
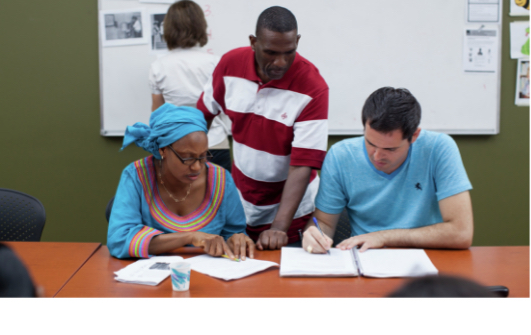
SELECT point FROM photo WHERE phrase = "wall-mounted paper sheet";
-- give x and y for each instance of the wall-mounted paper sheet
(483, 11)
(519, 39)
(519, 8)
(156, 22)
(123, 27)
(522, 83)
(480, 52)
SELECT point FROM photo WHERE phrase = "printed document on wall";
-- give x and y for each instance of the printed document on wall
(481, 49)
(484, 10)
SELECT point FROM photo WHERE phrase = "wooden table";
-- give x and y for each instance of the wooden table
(52, 264)
(507, 266)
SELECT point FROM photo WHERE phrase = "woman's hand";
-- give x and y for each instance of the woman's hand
(241, 244)
(214, 245)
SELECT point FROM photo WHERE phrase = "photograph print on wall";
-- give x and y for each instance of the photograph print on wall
(158, 44)
(124, 27)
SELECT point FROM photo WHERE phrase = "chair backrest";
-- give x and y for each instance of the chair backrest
(22, 217)
(342, 228)
(108, 209)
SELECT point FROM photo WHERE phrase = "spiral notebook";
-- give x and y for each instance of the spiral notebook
(381, 263)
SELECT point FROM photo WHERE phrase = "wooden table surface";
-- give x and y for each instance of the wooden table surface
(52, 264)
(508, 266)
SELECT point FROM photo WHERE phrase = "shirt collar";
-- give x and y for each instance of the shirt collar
(381, 173)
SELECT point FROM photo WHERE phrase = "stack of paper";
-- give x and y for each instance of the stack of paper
(227, 269)
(150, 271)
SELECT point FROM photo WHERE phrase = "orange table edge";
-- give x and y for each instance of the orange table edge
(52, 264)
(508, 266)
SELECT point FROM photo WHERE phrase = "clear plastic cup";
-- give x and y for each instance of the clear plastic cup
(180, 276)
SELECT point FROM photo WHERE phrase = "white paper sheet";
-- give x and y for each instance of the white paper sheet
(295, 262)
(139, 272)
(483, 10)
(396, 263)
(518, 10)
(481, 49)
(519, 39)
(227, 269)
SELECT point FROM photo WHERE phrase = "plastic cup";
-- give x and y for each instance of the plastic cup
(180, 276)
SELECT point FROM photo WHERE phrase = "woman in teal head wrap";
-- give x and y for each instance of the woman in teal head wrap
(174, 197)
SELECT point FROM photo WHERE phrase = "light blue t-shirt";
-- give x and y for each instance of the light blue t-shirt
(406, 198)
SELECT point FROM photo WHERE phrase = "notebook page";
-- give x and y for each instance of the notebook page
(295, 262)
(396, 263)
(227, 269)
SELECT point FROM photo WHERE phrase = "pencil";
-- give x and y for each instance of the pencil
(232, 259)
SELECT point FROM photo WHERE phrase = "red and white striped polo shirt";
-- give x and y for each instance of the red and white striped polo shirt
(274, 125)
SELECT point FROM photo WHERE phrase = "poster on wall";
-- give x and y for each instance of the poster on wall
(522, 83)
(483, 11)
(158, 44)
(519, 39)
(123, 27)
(519, 8)
(480, 52)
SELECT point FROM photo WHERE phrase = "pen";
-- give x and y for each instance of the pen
(232, 259)
(319, 228)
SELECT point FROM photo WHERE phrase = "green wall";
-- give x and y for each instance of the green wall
(51, 147)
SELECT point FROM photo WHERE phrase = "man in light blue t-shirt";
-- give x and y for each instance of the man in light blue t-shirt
(401, 186)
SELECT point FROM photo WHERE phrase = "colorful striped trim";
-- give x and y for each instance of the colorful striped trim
(140, 242)
(194, 221)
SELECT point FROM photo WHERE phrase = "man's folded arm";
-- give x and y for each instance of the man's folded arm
(455, 232)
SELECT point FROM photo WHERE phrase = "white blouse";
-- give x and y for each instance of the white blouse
(180, 77)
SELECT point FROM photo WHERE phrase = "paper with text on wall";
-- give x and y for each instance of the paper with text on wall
(227, 269)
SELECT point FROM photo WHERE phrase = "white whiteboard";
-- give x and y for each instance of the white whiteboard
(358, 46)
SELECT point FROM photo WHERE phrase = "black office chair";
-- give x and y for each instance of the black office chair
(22, 217)
(342, 228)
(108, 209)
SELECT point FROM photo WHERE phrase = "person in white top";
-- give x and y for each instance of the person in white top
(179, 77)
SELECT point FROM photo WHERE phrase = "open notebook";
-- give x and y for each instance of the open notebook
(295, 262)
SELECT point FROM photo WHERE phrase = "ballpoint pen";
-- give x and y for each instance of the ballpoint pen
(319, 228)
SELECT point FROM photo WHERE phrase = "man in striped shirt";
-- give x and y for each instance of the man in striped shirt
(278, 104)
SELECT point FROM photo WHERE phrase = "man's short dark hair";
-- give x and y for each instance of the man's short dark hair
(388, 109)
(277, 19)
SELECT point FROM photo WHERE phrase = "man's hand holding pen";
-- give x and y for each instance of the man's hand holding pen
(315, 242)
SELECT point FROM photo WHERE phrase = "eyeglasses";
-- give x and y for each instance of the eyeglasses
(192, 160)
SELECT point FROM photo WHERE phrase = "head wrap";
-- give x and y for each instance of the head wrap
(167, 124)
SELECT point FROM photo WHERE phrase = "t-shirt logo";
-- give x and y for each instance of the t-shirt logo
(284, 116)
(418, 187)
